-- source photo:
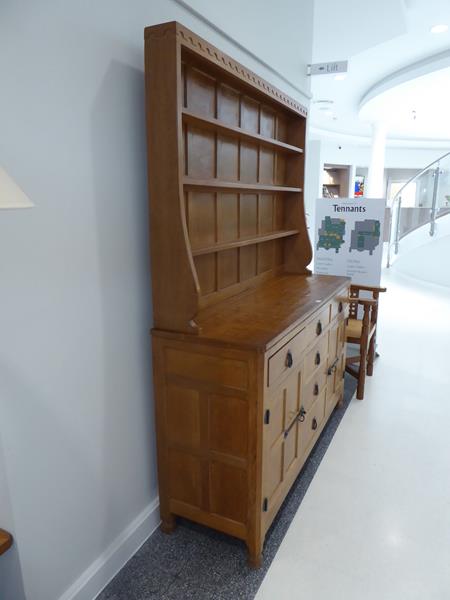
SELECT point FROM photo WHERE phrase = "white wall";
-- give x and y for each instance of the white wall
(11, 580)
(313, 181)
(424, 257)
(77, 471)
(343, 153)
(428, 263)
(280, 33)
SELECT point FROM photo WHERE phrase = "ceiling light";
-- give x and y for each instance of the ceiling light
(340, 77)
(439, 29)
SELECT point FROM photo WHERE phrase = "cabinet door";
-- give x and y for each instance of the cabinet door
(280, 448)
(309, 427)
(336, 364)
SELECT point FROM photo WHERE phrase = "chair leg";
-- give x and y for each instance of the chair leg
(361, 375)
(371, 356)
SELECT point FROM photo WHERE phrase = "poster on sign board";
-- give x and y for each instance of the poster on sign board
(349, 238)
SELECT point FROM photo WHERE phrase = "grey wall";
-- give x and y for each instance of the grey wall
(77, 463)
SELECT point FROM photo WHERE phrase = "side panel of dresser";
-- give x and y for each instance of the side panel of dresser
(208, 406)
(298, 399)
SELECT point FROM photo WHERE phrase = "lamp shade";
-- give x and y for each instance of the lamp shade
(11, 196)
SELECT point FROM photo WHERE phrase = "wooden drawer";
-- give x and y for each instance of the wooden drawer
(313, 388)
(317, 356)
(287, 357)
(317, 325)
(338, 307)
(310, 427)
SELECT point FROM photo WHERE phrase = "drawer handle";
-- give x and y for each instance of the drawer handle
(316, 389)
(333, 367)
(317, 359)
(289, 359)
(319, 328)
(340, 307)
(301, 415)
(314, 424)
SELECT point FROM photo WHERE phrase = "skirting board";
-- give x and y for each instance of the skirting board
(97, 576)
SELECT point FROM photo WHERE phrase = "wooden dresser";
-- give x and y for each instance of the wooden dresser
(248, 346)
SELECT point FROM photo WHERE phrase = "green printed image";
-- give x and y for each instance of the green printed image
(365, 236)
(331, 234)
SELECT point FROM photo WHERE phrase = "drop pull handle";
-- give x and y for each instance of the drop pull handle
(300, 416)
(316, 389)
(314, 424)
(317, 359)
(289, 359)
(333, 367)
(340, 307)
(318, 328)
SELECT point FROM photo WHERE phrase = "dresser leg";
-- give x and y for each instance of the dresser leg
(254, 560)
(168, 523)
(340, 402)
(255, 554)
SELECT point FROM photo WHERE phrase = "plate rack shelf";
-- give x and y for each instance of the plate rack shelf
(232, 147)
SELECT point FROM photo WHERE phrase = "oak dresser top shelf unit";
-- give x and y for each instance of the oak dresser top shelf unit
(226, 200)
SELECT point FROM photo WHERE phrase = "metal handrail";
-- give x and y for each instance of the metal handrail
(417, 175)
(397, 204)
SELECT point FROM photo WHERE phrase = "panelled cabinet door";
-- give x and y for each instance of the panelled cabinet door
(280, 434)
(309, 427)
(336, 364)
(334, 357)
(341, 350)
(339, 361)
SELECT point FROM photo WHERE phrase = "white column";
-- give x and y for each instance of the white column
(313, 181)
(375, 179)
(351, 180)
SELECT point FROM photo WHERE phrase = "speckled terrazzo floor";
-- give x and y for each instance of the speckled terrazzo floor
(197, 563)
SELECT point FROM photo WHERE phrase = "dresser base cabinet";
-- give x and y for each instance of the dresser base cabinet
(235, 424)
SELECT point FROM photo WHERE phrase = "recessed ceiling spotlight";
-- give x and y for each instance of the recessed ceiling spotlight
(439, 29)
(340, 76)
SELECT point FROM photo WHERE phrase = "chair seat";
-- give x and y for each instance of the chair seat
(354, 329)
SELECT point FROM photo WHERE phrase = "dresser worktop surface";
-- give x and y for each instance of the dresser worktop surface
(260, 317)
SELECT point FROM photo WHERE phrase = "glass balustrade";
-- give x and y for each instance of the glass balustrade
(421, 201)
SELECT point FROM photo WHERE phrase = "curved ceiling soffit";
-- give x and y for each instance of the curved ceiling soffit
(361, 140)
(428, 65)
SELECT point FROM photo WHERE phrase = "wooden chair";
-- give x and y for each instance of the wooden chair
(362, 332)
